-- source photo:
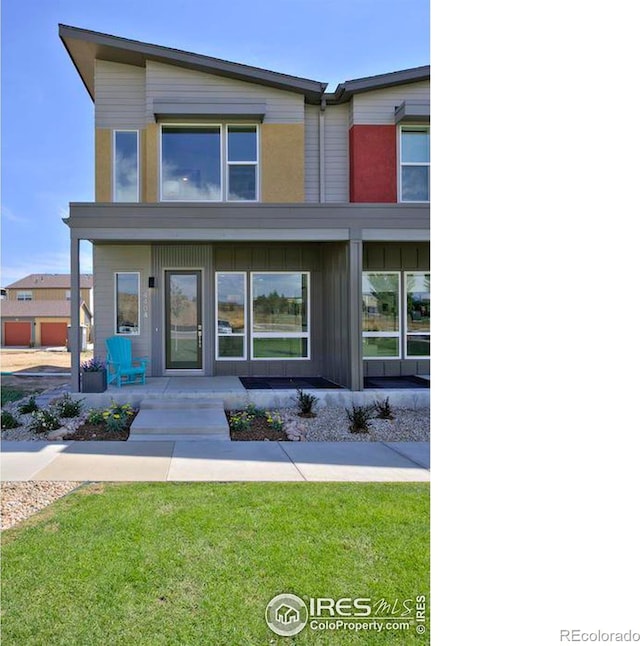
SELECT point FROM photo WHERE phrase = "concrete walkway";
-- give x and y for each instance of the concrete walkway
(216, 461)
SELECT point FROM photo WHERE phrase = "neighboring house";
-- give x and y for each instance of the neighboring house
(37, 310)
(248, 222)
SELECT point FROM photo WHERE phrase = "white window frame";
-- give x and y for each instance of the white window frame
(224, 162)
(401, 164)
(113, 164)
(242, 163)
(234, 334)
(281, 335)
(115, 303)
(408, 334)
(395, 335)
(24, 295)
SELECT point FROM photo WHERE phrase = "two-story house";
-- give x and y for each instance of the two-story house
(37, 310)
(248, 222)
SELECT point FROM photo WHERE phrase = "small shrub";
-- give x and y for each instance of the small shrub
(305, 403)
(253, 411)
(240, 421)
(66, 406)
(94, 417)
(29, 406)
(116, 416)
(8, 420)
(93, 365)
(44, 420)
(383, 408)
(359, 416)
(274, 420)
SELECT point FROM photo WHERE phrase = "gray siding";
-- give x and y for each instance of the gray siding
(170, 82)
(120, 96)
(107, 260)
(311, 153)
(336, 162)
(396, 257)
(337, 153)
(378, 106)
(336, 313)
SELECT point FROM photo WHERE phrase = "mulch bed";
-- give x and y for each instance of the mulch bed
(259, 430)
(90, 432)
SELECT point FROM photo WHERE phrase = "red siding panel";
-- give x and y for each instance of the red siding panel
(373, 164)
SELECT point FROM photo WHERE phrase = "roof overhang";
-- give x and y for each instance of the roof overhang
(346, 90)
(177, 109)
(85, 47)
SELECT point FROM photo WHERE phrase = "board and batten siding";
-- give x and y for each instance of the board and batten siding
(119, 95)
(336, 151)
(171, 82)
(396, 257)
(336, 314)
(378, 106)
(107, 260)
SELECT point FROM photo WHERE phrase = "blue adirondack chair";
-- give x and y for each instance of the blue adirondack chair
(120, 363)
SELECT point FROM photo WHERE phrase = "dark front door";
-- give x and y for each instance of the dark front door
(183, 319)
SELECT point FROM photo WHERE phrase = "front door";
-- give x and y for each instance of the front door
(183, 319)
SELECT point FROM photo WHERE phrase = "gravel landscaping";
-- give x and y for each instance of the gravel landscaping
(19, 500)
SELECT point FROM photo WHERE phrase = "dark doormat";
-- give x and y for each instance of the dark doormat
(281, 383)
(384, 383)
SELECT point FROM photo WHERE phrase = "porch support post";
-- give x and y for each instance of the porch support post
(356, 372)
(74, 331)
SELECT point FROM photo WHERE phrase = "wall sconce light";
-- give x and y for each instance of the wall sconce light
(152, 282)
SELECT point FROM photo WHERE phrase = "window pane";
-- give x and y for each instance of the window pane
(230, 347)
(127, 304)
(126, 167)
(415, 146)
(380, 302)
(418, 302)
(231, 303)
(243, 144)
(380, 346)
(415, 183)
(191, 163)
(280, 303)
(242, 182)
(274, 348)
(419, 345)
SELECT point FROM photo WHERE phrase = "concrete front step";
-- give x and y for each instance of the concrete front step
(179, 403)
(177, 437)
(180, 419)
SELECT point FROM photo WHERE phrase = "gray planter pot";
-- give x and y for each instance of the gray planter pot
(93, 382)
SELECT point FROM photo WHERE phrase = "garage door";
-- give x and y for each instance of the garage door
(53, 334)
(17, 333)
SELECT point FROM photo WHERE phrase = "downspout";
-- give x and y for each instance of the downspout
(323, 105)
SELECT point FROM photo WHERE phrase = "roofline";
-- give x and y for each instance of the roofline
(134, 52)
(346, 90)
(107, 47)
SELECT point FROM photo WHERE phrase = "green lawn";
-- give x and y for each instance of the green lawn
(13, 394)
(197, 563)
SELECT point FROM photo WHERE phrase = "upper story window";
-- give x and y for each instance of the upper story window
(25, 295)
(193, 159)
(125, 166)
(415, 164)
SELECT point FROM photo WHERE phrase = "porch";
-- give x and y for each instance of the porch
(233, 395)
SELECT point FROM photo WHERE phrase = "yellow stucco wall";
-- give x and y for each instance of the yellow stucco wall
(282, 162)
(150, 152)
(103, 164)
